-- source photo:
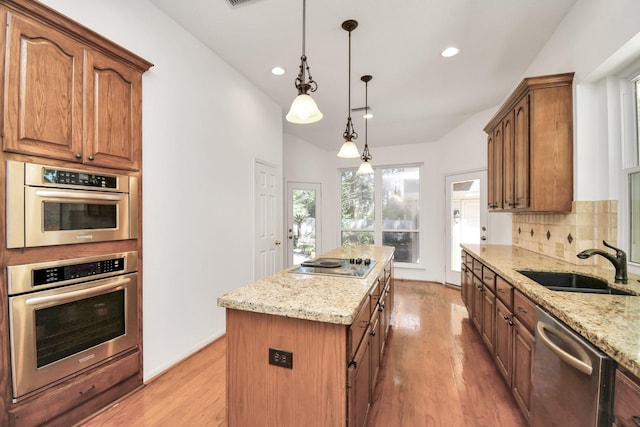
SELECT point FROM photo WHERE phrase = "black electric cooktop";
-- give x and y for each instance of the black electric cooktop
(341, 267)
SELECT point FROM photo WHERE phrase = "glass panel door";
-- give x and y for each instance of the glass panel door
(465, 218)
(303, 229)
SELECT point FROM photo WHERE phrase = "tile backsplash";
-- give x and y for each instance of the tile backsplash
(563, 235)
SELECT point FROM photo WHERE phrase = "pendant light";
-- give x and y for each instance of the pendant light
(365, 166)
(349, 149)
(304, 109)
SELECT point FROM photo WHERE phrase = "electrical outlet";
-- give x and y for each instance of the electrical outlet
(282, 358)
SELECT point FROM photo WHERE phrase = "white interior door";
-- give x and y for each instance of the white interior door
(465, 217)
(268, 246)
(304, 202)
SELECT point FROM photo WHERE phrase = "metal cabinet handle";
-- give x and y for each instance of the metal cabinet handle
(91, 158)
(502, 291)
(522, 310)
(372, 333)
(78, 156)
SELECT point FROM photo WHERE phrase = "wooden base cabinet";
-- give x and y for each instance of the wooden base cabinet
(626, 409)
(505, 319)
(523, 358)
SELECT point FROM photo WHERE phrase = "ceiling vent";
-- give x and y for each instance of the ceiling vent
(237, 2)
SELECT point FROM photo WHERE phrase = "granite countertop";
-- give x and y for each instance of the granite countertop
(309, 296)
(610, 322)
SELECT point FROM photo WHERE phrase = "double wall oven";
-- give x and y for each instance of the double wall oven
(68, 313)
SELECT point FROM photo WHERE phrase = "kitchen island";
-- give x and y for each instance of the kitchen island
(303, 349)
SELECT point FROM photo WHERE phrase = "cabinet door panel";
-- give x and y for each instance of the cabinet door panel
(508, 161)
(113, 113)
(504, 341)
(488, 319)
(359, 378)
(43, 91)
(523, 357)
(521, 154)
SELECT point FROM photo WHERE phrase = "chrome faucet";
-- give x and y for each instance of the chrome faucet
(619, 261)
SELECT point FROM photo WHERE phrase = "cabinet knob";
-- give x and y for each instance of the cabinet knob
(91, 158)
(78, 156)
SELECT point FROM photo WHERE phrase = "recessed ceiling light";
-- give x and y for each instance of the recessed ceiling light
(450, 51)
(278, 71)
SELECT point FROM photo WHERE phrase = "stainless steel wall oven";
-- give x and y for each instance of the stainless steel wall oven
(51, 205)
(65, 316)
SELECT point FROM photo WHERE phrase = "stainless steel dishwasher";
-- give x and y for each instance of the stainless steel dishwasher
(572, 380)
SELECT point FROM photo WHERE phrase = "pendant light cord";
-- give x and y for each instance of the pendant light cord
(304, 26)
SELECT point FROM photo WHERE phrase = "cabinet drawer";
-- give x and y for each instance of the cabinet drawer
(524, 310)
(627, 401)
(504, 292)
(358, 328)
(489, 278)
(477, 268)
(75, 392)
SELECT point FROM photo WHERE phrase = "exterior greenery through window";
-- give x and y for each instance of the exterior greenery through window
(392, 194)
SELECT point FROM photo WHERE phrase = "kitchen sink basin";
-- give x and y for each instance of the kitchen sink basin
(571, 282)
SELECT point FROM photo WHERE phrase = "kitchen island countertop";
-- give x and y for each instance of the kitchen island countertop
(310, 296)
(610, 322)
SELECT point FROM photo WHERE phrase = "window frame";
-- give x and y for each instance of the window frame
(377, 219)
(630, 155)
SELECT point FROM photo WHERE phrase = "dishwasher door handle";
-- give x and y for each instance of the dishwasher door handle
(582, 364)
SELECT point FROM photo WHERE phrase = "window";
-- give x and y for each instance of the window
(395, 200)
(634, 185)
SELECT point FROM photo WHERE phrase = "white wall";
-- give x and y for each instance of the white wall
(204, 126)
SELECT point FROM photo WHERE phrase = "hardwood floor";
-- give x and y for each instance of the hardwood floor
(436, 372)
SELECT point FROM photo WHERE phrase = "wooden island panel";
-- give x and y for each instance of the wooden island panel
(313, 393)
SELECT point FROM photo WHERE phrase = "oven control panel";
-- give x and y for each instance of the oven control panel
(35, 277)
(60, 176)
(76, 271)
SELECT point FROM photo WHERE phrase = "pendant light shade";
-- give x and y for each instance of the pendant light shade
(365, 166)
(349, 149)
(303, 108)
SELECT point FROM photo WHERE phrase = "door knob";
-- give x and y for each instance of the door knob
(278, 242)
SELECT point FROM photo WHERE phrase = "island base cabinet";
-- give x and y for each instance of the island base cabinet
(312, 393)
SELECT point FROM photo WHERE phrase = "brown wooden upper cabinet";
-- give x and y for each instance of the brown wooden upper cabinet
(530, 147)
(69, 100)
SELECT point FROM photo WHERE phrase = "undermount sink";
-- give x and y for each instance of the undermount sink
(572, 282)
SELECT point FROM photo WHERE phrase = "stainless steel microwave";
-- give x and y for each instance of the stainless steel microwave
(51, 205)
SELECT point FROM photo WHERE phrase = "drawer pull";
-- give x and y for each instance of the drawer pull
(522, 310)
(502, 291)
(83, 392)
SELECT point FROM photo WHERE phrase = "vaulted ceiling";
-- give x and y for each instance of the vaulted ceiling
(416, 95)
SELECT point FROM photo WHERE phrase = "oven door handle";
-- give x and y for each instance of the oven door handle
(58, 194)
(112, 286)
(582, 364)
